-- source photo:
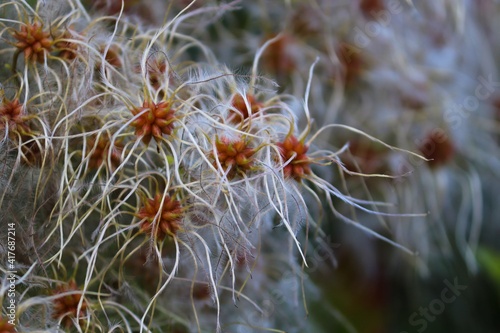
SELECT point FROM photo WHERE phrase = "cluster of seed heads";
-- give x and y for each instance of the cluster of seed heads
(144, 151)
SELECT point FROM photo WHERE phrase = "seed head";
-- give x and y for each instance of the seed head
(33, 42)
(112, 56)
(353, 64)
(299, 166)
(162, 215)
(242, 113)
(438, 148)
(278, 58)
(5, 327)
(156, 121)
(201, 291)
(32, 150)
(67, 49)
(234, 156)
(66, 307)
(11, 116)
(365, 157)
(99, 150)
(370, 6)
(157, 72)
(306, 22)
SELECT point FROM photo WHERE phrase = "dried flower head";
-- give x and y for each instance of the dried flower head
(294, 150)
(240, 112)
(352, 63)
(157, 71)
(161, 216)
(278, 58)
(100, 149)
(66, 306)
(365, 157)
(33, 151)
(5, 327)
(369, 7)
(67, 49)
(235, 156)
(438, 148)
(13, 118)
(33, 42)
(306, 21)
(201, 291)
(154, 120)
(112, 56)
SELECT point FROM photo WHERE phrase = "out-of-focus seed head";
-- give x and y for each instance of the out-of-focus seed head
(99, 150)
(371, 7)
(438, 148)
(278, 58)
(5, 327)
(33, 150)
(365, 157)
(157, 72)
(112, 56)
(240, 111)
(65, 307)
(68, 50)
(352, 63)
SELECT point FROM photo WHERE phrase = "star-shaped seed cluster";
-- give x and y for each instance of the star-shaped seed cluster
(33, 42)
(235, 156)
(294, 150)
(153, 120)
(161, 216)
(13, 118)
